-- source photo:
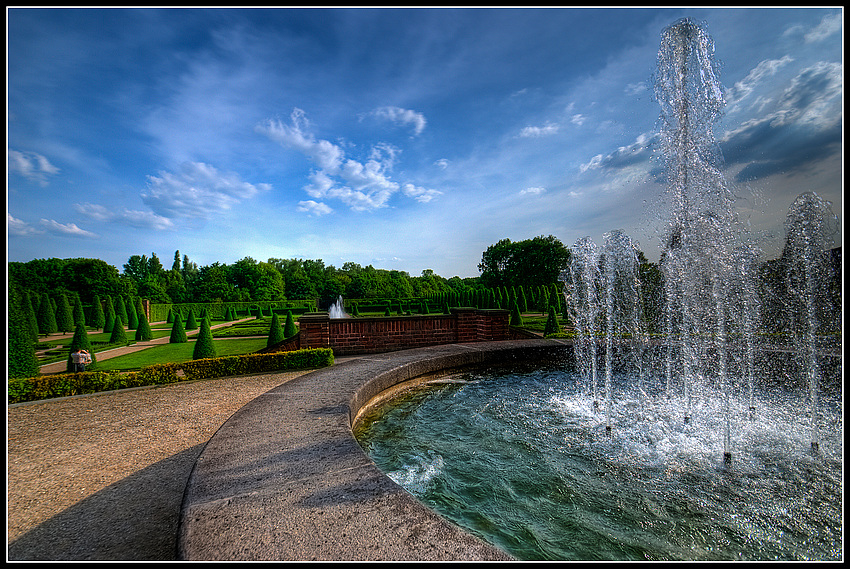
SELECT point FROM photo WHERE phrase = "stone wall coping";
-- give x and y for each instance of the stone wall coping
(285, 479)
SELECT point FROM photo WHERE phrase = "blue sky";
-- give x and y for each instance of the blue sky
(409, 139)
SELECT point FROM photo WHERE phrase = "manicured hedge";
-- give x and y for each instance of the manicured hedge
(65, 384)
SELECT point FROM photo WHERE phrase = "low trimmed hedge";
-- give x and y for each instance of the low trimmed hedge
(65, 384)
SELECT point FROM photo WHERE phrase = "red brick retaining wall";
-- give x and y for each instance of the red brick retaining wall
(373, 335)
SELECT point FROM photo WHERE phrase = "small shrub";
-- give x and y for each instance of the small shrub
(204, 346)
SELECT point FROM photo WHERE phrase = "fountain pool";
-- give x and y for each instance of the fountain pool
(520, 458)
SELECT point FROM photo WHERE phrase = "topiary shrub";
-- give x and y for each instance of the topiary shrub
(276, 334)
(178, 334)
(552, 326)
(143, 332)
(119, 336)
(204, 346)
(289, 328)
(516, 316)
(191, 322)
(22, 361)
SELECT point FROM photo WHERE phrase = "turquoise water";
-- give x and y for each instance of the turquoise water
(521, 459)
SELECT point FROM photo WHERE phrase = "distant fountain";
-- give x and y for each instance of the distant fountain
(337, 309)
(676, 408)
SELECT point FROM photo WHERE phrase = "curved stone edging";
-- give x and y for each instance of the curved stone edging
(284, 478)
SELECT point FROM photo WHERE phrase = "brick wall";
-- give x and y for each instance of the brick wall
(372, 335)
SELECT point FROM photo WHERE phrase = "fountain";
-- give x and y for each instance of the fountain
(653, 477)
(337, 309)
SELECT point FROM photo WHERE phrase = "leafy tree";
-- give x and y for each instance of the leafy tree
(191, 322)
(119, 336)
(276, 334)
(143, 332)
(289, 328)
(80, 341)
(64, 315)
(22, 361)
(204, 345)
(552, 326)
(98, 319)
(46, 317)
(532, 262)
(178, 334)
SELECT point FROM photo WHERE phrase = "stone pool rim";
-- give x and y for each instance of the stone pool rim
(285, 479)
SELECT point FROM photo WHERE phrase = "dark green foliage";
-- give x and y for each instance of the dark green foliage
(64, 315)
(22, 361)
(80, 341)
(29, 314)
(178, 334)
(108, 315)
(191, 323)
(143, 332)
(170, 318)
(121, 309)
(46, 317)
(523, 302)
(79, 313)
(552, 326)
(516, 316)
(62, 385)
(119, 335)
(98, 318)
(355, 310)
(132, 316)
(276, 334)
(387, 311)
(204, 346)
(289, 328)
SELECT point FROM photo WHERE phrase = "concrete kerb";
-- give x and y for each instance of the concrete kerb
(284, 478)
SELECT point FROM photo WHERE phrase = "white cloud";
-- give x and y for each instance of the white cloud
(760, 72)
(442, 163)
(536, 131)
(314, 208)
(421, 195)
(829, 25)
(69, 229)
(402, 117)
(578, 119)
(18, 227)
(359, 185)
(197, 190)
(532, 191)
(592, 165)
(32, 166)
(132, 218)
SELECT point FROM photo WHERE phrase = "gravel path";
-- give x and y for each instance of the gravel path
(101, 477)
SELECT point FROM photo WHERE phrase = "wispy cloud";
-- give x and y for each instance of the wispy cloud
(314, 208)
(828, 25)
(19, 227)
(197, 190)
(359, 185)
(66, 229)
(533, 191)
(537, 131)
(32, 166)
(403, 117)
(132, 218)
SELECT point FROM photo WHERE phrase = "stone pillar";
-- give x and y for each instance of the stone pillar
(314, 328)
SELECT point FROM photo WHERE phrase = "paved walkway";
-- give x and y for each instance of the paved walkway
(59, 367)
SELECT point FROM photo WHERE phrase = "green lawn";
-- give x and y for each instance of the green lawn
(169, 353)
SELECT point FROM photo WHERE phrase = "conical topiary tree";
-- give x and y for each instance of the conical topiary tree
(98, 318)
(79, 313)
(108, 315)
(275, 332)
(46, 317)
(191, 322)
(29, 314)
(22, 361)
(119, 335)
(143, 332)
(289, 328)
(80, 341)
(552, 326)
(121, 309)
(178, 334)
(204, 346)
(516, 316)
(64, 315)
(132, 316)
